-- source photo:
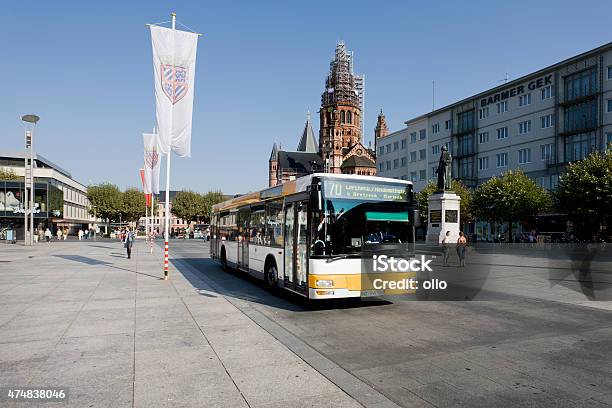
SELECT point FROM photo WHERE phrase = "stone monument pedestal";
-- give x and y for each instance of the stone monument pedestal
(443, 216)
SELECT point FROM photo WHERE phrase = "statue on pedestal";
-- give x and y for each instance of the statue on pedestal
(445, 170)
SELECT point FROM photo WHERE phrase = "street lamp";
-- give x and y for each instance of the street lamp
(29, 178)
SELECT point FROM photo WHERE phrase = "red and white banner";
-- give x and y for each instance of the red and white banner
(151, 163)
(174, 58)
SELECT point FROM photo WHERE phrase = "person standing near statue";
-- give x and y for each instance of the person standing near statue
(444, 170)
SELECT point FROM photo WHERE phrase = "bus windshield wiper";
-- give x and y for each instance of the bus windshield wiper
(337, 257)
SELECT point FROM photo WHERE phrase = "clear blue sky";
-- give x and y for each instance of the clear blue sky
(86, 68)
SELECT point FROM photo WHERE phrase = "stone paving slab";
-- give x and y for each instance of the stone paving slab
(80, 315)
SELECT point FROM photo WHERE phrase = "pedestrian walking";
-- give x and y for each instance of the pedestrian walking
(59, 234)
(65, 234)
(86, 233)
(80, 234)
(461, 248)
(48, 235)
(128, 241)
(445, 248)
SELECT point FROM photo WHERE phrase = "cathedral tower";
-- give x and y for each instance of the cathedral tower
(340, 113)
(272, 167)
(381, 129)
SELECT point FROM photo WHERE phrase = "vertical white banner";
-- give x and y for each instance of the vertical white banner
(152, 163)
(174, 59)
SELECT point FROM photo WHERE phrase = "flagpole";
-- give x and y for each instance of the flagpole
(152, 225)
(166, 256)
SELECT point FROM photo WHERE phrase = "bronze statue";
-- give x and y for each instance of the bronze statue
(444, 170)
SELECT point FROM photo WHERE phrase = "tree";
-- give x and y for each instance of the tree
(133, 204)
(459, 188)
(211, 198)
(511, 197)
(584, 192)
(106, 201)
(188, 205)
(9, 174)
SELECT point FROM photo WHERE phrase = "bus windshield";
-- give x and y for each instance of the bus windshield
(360, 217)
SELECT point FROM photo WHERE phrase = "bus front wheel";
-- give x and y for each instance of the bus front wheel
(270, 277)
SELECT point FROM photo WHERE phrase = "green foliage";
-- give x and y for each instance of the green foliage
(106, 201)
(459, 188)
(188, 205)
(133, 204)
(9, 174)
(511, 197)
(193, 206)
(584, 191)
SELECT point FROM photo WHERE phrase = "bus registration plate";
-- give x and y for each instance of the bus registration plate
(371, 293)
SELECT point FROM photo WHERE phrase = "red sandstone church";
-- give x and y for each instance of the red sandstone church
(340, 148)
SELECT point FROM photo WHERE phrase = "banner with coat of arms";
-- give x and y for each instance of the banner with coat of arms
(152, 163)
(174, 58)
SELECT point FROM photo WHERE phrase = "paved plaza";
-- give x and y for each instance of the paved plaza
(81, 316)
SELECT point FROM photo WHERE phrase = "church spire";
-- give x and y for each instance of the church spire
(381, 129)
(308, 142)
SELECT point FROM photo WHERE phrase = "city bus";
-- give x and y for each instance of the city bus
(316, 235)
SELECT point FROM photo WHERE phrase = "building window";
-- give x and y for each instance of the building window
(580, 84)
(609, 105)
(349, 117)
(524, 156)
(483, 137)
(547, 92)
(395, 146)
(388, 165)
(610, 72)
(547, 121)
(465, 121)
(422, 175)
(465, 145)
(404, 161)
(579, 146)
(435, 150)
(466, 167)
(502, 133)
(403, 143)
(381, 150)
(422, 134)
(413, 176)
(483, 163)
(448, 124)
(381, 167)
(434, 170)
(413, 136)
(546, 152)
(608, 145)
(389, 148)
(483, 112)
(525, 100)
(422, 154)
(413, 156)
(342, 117)
(501, 160)
(524, 127)
(580, 116)
(435, 128)
(502, 107)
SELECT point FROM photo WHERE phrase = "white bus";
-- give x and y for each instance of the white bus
(313, 235)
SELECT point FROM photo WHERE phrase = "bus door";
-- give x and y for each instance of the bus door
(243, 238)
(296, 245)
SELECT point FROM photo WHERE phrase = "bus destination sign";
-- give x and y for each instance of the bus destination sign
(357, 190)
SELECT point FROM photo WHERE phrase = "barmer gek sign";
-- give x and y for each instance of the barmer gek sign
(517, 90)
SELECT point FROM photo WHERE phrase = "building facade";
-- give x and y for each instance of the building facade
(340, 147)
(59, 200)
(538, 123)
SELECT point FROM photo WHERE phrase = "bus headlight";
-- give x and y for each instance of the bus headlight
(325, 283)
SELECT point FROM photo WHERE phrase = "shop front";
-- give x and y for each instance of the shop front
(48, 208)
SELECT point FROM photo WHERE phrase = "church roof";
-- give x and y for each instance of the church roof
(358, 161)
(274, 154)
(308, 142)
(301, 162)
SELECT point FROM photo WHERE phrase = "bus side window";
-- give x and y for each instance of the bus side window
(274, 223)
